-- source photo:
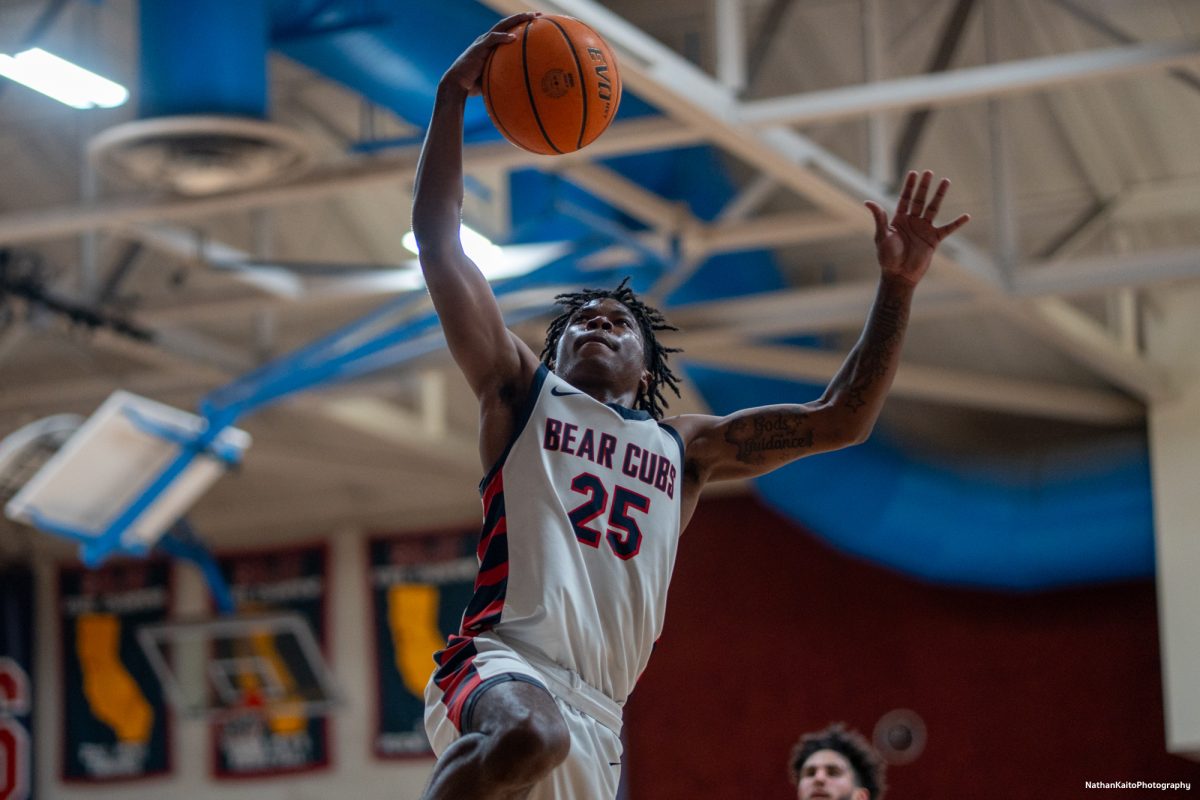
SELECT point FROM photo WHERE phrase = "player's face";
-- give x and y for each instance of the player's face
(827, 775)
(603, 337)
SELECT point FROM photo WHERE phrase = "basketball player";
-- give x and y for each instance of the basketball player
(837, 764)
(587, 489)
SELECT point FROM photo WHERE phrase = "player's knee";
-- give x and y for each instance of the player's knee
(526, 749)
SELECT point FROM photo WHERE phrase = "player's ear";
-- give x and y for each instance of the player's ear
(860, 793)
(644, 383)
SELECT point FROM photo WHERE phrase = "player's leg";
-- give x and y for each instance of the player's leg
(593, 770)
(514, 738)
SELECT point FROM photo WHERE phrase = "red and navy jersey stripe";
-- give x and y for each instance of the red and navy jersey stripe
(456, 675)
(491, 584)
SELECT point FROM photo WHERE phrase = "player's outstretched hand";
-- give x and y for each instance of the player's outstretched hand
(467, 70)
(905, 246)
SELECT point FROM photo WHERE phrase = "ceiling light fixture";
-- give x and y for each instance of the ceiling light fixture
(478, 247)
(496, 262)
(60, 79)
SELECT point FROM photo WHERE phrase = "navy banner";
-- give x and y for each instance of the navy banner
(16, 684)
(115, 720)
(273, 738)
(419, 588)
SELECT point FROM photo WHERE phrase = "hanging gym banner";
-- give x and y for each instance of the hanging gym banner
(115, 720)
(16, 683)
(272, 736)
(420, 585)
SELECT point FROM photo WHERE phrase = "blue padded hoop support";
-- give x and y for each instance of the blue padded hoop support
(181, 541)
(227, 454)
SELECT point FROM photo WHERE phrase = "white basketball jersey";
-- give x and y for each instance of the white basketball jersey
(581, 526)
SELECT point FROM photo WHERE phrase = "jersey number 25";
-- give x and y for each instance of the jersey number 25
(624, 536)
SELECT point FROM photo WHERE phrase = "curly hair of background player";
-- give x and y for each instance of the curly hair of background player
(868, 767)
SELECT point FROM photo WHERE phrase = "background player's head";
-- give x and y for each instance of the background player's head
(629, 326)
(836, 764)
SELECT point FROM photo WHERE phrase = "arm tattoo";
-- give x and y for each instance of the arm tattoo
(877, 356)
(755, 436)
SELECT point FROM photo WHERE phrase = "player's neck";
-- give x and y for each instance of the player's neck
(604, 390)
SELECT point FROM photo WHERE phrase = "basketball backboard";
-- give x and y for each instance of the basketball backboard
(24, 451)
(135, 465)
(220, 668)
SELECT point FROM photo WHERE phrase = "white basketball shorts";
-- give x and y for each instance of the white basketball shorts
(469, 666)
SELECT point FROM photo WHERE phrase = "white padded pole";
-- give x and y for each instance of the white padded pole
(1174, 429)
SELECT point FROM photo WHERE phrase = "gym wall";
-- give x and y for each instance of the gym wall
(770, 634)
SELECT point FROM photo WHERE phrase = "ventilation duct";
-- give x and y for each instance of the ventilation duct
(202, 103)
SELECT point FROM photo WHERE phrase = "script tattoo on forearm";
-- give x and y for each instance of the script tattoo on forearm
(878, 354)
(756, 436)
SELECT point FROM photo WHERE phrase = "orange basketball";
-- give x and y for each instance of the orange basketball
(555, 88)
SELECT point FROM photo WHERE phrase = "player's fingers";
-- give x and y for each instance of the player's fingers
(935, 205)
(495, 38)
(514, 20)
(906, 194)
(951, 227)
(881, 222)
(918, 202)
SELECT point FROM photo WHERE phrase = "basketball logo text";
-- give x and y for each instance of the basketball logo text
(604, 89)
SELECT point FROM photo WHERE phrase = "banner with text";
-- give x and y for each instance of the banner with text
(272, 737)
(16, 683)
(420, 585)
(115, 720)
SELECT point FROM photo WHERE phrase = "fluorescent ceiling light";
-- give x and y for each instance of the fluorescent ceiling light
(497, 262)
(58, 78)
(478, 247)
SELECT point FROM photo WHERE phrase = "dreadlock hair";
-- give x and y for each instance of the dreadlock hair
(868, 767)
(649, 320)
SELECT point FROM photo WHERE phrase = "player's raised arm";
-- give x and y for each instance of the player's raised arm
(758, 440)
(489, 356)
